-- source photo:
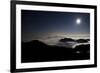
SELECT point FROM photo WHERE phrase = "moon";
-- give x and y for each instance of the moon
(78, 21)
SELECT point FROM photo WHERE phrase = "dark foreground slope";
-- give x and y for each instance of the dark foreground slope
(37, 51)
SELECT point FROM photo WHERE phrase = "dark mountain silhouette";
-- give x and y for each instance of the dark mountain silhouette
(88, 39)
(35, 44)
(66, 40)
(83, 50)
(82, 40)
(73, 40)
(37, 51)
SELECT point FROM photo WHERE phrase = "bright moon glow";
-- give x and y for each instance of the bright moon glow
(78, 21)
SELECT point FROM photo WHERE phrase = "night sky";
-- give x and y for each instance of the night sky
(38, 24)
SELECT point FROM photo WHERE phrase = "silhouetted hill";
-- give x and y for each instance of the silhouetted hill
(35, 44)
(37, 51)
(87, 46)
(84, 50)
(82, 40)
(66, 40)
(88, 39)
(73, 40)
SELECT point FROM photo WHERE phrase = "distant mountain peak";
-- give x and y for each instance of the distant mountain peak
(66, 40)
